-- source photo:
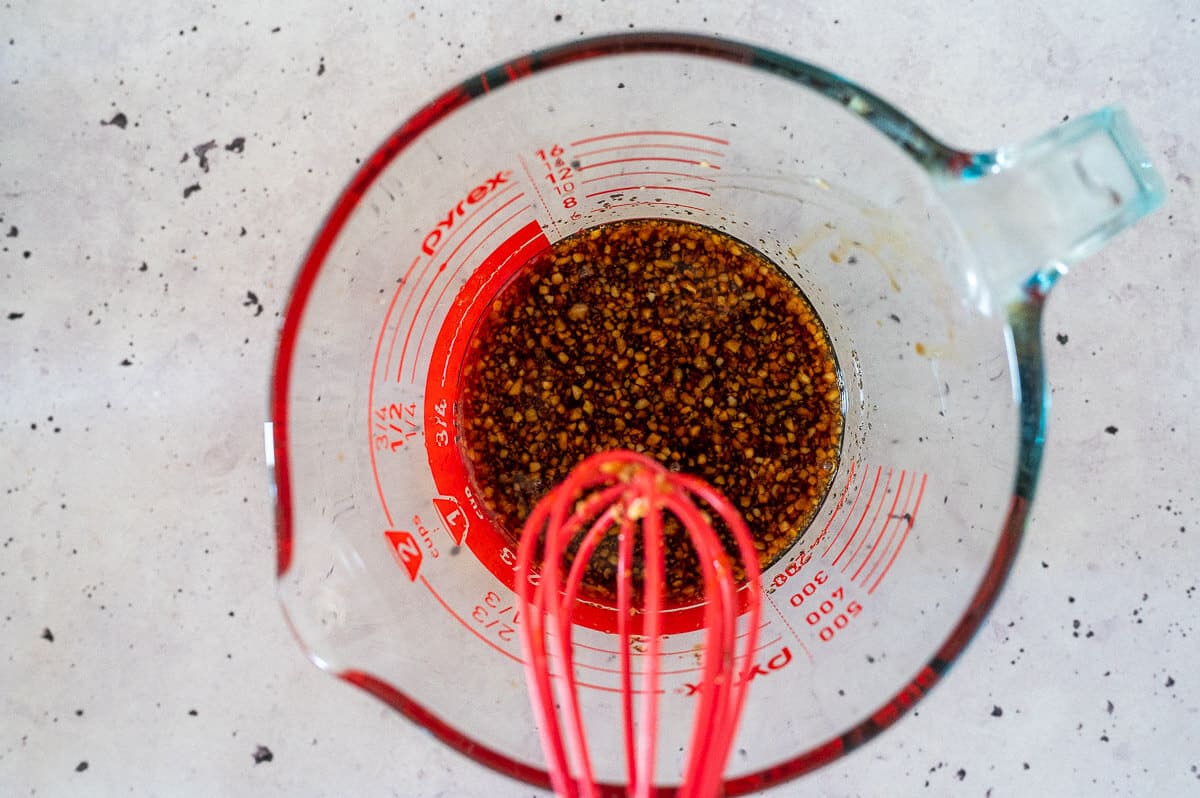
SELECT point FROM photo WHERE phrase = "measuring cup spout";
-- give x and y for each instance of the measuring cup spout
(1032, 210)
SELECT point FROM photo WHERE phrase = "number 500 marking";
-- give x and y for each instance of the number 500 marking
(828, 616)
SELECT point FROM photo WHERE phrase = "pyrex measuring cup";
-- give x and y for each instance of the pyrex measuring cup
(927, 265)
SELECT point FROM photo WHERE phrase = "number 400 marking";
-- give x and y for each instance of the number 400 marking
(833, 613)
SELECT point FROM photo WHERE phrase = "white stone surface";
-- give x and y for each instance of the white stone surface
(135, 522)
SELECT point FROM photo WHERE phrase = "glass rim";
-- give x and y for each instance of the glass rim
(936, 158)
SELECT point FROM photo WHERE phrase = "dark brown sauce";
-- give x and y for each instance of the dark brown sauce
(667, 338)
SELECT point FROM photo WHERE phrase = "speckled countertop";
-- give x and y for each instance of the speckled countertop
(161, 171)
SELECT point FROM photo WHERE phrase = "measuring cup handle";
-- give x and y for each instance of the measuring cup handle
(1032, 210)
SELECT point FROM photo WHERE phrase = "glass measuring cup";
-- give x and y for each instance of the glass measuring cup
(928, 266)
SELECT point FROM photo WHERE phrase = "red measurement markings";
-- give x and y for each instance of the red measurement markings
(795, 565)
(680, 652)
(907, 527)
(433, 280)
(627, 175)
(673, 672)
(501, 616)
(470, 627)
(609, 207)
(885, 545)
(538, 192)
(850, 512)
(828, 607)
(788, 626)
(896, 519)
(623, 189)
(405, 280)
(475, 630)
(625, 147)
(865, 510)
(837, 507)
(454, 518)
(656, 159)
(833, 614)
(449, 281)
(674, 147)
(371, 389)
(406, 550)
(681, 134)
(862, 541)
(867, 507)
(395, 425)
(484, 282)
(891, 513)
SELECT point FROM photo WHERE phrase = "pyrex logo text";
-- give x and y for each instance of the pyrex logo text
(434, 237)
(777, 662)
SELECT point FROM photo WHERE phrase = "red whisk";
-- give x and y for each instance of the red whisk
(626, 491)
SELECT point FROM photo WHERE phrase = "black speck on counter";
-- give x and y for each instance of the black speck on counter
(252, 301)
(14, 315)
(193, 712)
(997, 711)
(620, 85)
(962, 774)
(190, 190)
(1062, 338)
(119, 119)
(1109, 708)
(79, 713)
(1170, 682)
(143, 267)
(558, 17)
(49, 636)
(12, 231)
(276, 29)
(238, 145)
(1110, 429)
(201, 151)
(241, 234)
(262, 754)
(321, 66)
(126, 362)
(82, 766)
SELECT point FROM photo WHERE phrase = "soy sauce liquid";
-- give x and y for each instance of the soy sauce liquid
(671, 339)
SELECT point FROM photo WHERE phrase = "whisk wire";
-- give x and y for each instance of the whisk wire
(624, 616)
(737, 674)
(652, 527)
(631, 493)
